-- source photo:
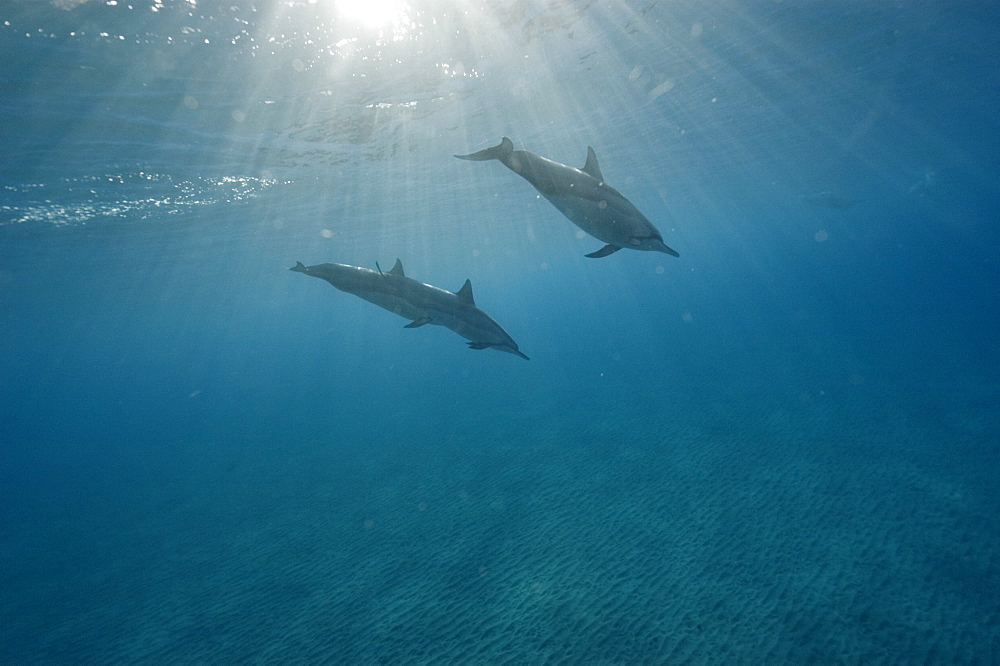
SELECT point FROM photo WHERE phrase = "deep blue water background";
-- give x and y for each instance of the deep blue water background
(780, 447)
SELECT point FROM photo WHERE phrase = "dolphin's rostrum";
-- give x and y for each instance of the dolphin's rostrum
(583, 197)
(420, 303)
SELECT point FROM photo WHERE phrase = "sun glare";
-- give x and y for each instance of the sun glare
(372, 13)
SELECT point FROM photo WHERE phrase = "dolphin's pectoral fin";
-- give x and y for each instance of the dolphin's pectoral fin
(603, 252)
(417, 323)
(499, 152)
(478, 345)
(592, 167)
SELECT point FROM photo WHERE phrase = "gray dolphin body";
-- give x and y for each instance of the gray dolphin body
(583, 197)
(420, 303)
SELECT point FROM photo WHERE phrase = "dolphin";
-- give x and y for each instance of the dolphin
(583, 197)
(420, 303)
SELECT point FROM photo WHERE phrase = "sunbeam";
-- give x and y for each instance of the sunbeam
(384, 16)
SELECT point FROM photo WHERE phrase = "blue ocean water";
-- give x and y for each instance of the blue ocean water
(780, 447)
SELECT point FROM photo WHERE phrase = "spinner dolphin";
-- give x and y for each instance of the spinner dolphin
(420, 303)
(583, 197)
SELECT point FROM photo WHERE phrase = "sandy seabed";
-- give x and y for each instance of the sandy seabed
(679, 529)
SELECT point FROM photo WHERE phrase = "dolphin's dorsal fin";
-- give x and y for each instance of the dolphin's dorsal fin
(465, 293)
(397, 269)
(592, 167)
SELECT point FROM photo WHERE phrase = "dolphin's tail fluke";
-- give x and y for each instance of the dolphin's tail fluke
(499, 152)
(298, 267)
